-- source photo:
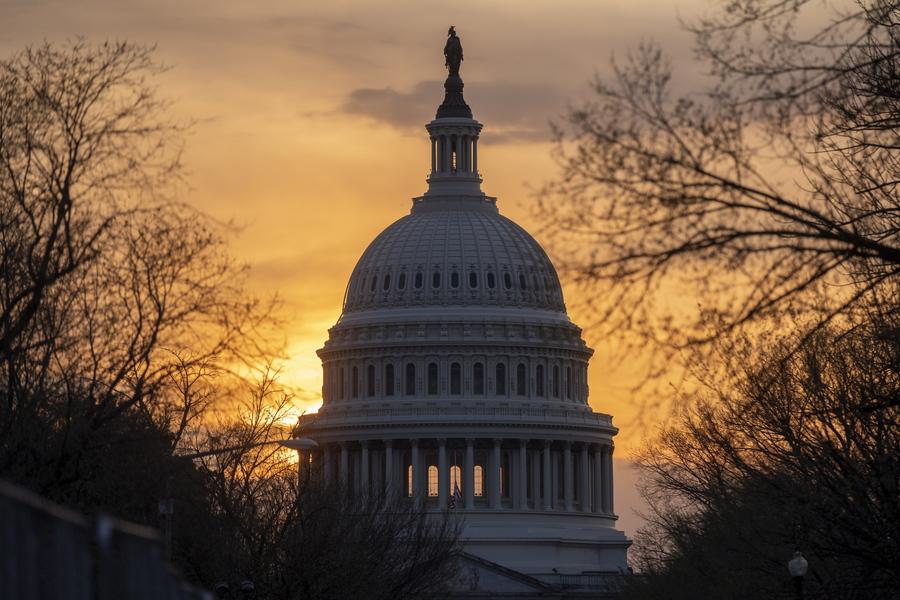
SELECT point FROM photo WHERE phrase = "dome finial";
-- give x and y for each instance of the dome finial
(454, 104)
(453, 52)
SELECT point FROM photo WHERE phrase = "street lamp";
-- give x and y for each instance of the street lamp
(248, 590)
(797, 567)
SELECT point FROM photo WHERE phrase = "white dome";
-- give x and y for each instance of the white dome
(454, 253)
(454, 372)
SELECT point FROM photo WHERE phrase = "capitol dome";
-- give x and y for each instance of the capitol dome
(455, 378)
(454, 253)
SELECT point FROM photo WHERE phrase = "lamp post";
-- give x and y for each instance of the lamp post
(797, 567)
(167, 506)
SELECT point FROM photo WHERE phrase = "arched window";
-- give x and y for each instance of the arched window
(500, 373)
(478, 479)
(410, 379)
(536, 283)
(455, 379)
(491, 282)
(569, 383)
(432, 379)
(539, 379)
(342, 384)
(455, 459)
(478, 379)
(355, 387)
(507, 281)
(374, 283)
(431, 462)
(455, 479)
(420, 279)
(523, 283)
(521, 381)
(432, 481)
(556, 382)
(454, 279)
(386, 285)
(473, 279)
(436, 279)
(407, 474)
(389, 380)
(370, 381)
(401, 281)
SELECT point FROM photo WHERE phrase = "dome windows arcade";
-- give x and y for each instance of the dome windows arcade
(460, 376)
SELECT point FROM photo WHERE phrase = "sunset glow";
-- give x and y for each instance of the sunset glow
(309, 121)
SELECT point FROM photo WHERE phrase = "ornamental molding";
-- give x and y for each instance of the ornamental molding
(510, 353)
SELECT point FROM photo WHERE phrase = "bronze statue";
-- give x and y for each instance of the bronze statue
(453, 52)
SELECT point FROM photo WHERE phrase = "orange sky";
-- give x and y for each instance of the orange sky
(309, 120)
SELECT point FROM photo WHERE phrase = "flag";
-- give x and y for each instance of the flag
(456, 495)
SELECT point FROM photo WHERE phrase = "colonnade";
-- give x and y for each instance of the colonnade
(490, 473)
(454, 153)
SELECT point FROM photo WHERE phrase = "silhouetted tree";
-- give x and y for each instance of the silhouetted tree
(800, 453)
(689, 215)
(754, 226)
(112, 291)
(251, 513)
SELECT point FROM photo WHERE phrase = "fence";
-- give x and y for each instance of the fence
(48, 552)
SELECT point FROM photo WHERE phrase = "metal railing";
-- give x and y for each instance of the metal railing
(48, 552)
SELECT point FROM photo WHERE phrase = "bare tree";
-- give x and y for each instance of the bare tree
(801, 454)
(109, 285)
(689, 216)
(252, 513)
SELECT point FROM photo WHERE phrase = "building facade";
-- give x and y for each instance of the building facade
(454, 377)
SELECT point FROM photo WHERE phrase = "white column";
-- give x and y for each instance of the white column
(568, 484)
(376, 473)
(495, 479)
(345, 464)
(448, 154)
(390, 484)
(523, 475)
(548, 477)
(462, 159)
(585, 478)
(433, 154)
(416, 470)
(608, 467)
(469, 476)
(327, 467)
(364, 467)
(443, 474)
(598, 479)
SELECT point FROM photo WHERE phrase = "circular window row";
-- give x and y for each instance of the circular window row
(537, 282)
(541, 287)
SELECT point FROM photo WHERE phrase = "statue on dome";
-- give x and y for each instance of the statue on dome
(453, 52)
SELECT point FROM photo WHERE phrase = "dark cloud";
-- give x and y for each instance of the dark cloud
(511, 111)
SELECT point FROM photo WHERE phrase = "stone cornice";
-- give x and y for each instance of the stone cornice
(340, 417)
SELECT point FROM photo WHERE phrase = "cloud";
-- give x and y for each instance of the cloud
(510, 111)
